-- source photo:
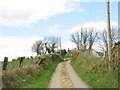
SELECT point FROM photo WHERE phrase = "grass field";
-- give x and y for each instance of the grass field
(14, 64)
(94, 72)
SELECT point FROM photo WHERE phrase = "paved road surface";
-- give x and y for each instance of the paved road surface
(56, 78)
(66, 77)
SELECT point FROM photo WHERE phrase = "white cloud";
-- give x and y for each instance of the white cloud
(98, 26)
(54, 29)
(14, 47)
(70, 45)
(25, 12)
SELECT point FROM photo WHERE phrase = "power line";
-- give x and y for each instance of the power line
(90, 12)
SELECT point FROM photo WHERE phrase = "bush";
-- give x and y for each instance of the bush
(40, 56)
(12, 78)
(115, 57)
(56, 57)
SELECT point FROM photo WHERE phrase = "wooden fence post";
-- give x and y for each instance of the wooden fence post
(21, 61)
(5, 63)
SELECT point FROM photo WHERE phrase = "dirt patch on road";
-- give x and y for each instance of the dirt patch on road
(67, 83)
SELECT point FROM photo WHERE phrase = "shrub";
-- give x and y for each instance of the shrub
(40, 56)
(12, 78)
(13, 59)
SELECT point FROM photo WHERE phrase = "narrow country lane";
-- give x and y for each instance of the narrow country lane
(56, 78)
(66, 77)
(66, 81)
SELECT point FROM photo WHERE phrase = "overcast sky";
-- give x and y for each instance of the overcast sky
(22, 22)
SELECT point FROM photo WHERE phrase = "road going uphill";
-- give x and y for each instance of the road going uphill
(65, 77)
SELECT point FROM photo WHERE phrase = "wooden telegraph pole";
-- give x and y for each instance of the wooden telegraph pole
(109, 30)
(60, 45)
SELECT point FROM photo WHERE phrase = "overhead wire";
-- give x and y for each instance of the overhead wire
(91, 12)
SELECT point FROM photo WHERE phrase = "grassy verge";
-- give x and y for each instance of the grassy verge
(95, 73)
(41, 80)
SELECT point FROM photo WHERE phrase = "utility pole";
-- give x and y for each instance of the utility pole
(81, 38)
(109, 30)
(60, 45)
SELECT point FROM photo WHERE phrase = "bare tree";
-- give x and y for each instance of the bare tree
(47, 48)
(114, 35)
(103, 37)
(80, 38)
(85, 38)
(92, 35)
(76, 39)
(51, 43)
(38, 47)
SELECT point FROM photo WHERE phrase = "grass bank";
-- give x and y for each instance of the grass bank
(33, 75)
(94, 71)
(41, 80)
